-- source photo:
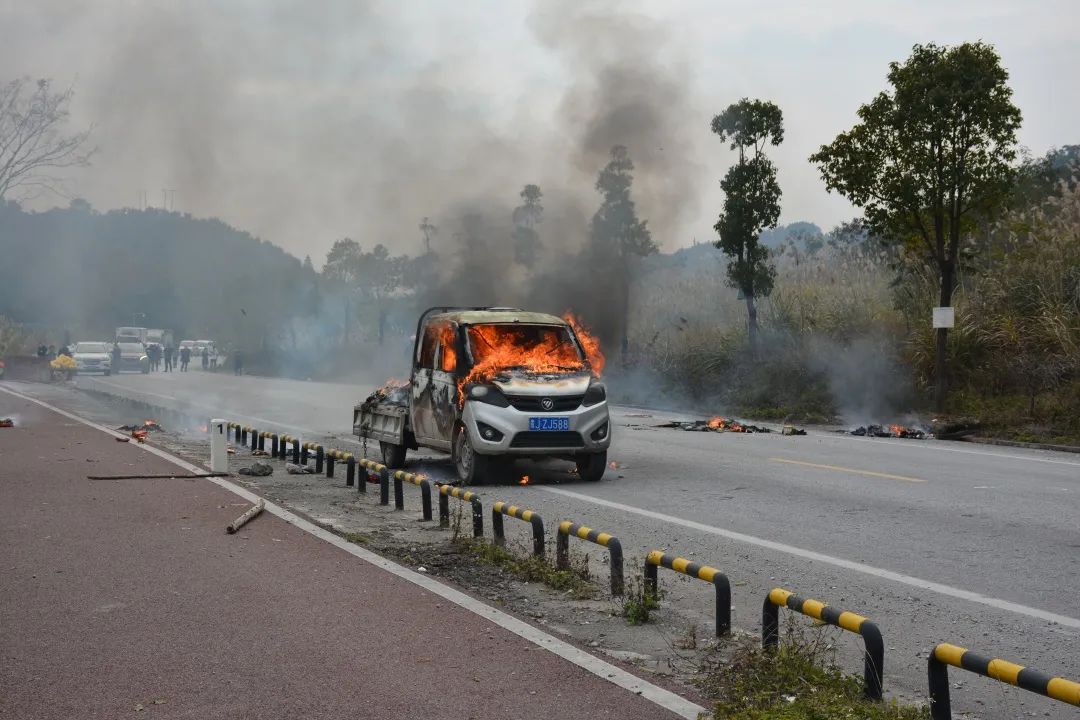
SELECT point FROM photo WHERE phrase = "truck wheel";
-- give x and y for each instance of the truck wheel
(471, 467)
(591, 467)
(393, 455)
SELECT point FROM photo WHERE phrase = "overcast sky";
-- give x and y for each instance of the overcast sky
(303, 122)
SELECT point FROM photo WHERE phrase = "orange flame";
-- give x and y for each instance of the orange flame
(149, 422)
(524, 480)
(897, 430)
(722, 424)
(589, 343)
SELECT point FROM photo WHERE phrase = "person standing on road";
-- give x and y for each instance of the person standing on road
(169, 351)
(238, 363)
(206, 358)
(185, 358)
(115, 358)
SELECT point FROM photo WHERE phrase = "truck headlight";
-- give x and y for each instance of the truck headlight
(488, 394)
(597, 393)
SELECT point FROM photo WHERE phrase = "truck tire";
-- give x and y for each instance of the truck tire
(393, 455)
(471, 467)
(591, 467)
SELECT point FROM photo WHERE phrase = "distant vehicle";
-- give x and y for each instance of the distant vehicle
(190, 344)
(156, 336)
(490, 385)
(132, 358)
(91, 357)
(131, 335)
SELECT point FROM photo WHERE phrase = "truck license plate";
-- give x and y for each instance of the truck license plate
(549, 424)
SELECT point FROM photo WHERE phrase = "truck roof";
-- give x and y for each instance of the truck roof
(494, 315)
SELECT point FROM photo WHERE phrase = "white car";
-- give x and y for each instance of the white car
(91, 357)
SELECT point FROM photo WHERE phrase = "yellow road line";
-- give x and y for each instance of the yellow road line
(849, 470)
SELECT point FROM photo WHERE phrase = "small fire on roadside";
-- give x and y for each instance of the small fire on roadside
(723, 424)
(203, 428)
(524, 480)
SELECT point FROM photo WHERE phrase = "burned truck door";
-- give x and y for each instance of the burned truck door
(423, 423)
(444, 387)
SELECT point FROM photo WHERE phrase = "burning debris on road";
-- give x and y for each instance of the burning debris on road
(147, 426)
(714, 424)
(887, 431)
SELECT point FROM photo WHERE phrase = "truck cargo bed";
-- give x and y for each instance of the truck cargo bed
(385, 422)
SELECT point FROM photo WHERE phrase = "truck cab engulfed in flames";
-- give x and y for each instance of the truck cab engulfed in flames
(489, 385)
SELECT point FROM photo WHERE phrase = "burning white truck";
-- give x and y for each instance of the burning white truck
(490, 385)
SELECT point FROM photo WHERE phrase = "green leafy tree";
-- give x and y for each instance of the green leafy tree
(751, 200)
(617, 236)
(929, 159)
(526, 217)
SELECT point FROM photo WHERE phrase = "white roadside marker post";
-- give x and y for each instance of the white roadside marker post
(219, 457)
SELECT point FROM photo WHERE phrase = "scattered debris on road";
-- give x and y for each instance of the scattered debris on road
(298, 469)
(248, 515)
(792, 430)
(259, 469)
(260, 453)
(127, 439)
(155, 477)
(886, 431)
(714, 424)
(6, 423)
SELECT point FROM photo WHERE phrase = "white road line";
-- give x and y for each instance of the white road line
(615, 675)
(829, 559)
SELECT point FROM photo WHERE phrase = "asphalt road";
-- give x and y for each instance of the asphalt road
(936, 541)
(126, 598)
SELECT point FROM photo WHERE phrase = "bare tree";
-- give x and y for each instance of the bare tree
(33, 144)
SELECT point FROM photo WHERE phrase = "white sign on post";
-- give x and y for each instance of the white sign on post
(944, 317)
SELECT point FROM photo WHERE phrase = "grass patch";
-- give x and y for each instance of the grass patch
(530, 568)
(638, 603)
(797, 681)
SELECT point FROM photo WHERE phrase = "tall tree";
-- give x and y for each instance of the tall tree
(429, 231)
(751, 200)
(929, 158)
(617, 235)
(33, 145)
(344, 269)
(526, 217)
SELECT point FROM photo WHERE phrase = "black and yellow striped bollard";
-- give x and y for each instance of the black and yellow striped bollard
(874, 665)
(657, 559)
(1057, 688)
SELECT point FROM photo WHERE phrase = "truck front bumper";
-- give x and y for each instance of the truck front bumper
(589, 431)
